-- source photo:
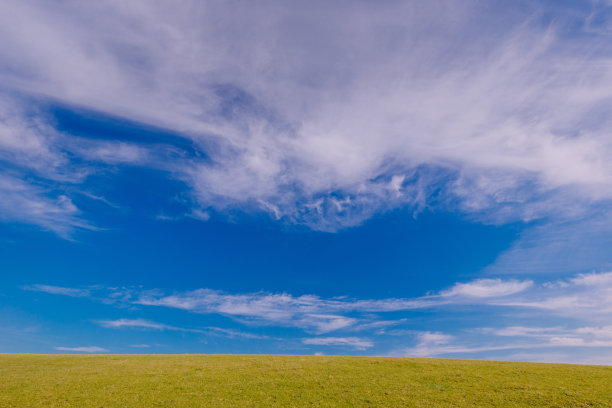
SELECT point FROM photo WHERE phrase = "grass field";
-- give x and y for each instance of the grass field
(294, 381)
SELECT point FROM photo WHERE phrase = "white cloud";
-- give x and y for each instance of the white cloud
(558, 357)
(486, 288)
(599, 332)
(140, 345)
(554, 344)
(199, 215)
(355, 342)
(560, 248)
(324, 315)
(307, 312)
(147, 324)
(584, 295)
(593, 279)
(433, 344)
(40, 176)
(430, 344)
(520, 331)
(88, 349)
(327, 117)
(58, 290)
(380, 325)
(434, 338)
(579, 306)
(112, 152)
(235, 333)
(35, 204)
(597, 336)
(140, 323)
(28, 140)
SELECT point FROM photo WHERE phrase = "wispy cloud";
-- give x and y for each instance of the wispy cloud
(354, 342)
(438, 344)
(307, 312)
(432, 344)
(325, 315)
(140, 345)
(148, 324)
(560, 248)
(88, 349)
(231, 333)
(587, 296)
(330, 134)
(579, 305)
(141, 324)
(521, 331)
(33, 203)
(599, 336)
(36, 170)
(58, 290)
(486, 288)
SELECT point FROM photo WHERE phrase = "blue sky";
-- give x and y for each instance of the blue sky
(397, 179)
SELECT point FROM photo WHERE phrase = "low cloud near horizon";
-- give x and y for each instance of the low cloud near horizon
(585, 298)
(85, 349)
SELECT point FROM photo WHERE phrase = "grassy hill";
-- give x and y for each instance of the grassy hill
(294, 381)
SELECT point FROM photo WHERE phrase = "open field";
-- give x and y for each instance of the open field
(294, 381)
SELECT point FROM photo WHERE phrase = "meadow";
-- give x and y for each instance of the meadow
(294, 381)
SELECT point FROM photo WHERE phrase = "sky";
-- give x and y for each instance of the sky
(424, 179)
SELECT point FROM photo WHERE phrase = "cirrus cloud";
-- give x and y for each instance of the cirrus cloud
(85, 349)
(344, 112)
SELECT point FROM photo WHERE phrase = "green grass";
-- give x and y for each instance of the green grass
(294, 381)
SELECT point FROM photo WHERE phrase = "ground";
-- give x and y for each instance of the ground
(294, 381)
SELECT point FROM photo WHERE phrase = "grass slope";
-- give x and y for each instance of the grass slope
(294, 381)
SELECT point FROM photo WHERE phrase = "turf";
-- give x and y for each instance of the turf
(294, 381)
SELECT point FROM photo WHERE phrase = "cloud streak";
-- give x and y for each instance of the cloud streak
(87, 349)
(433, 344)
(354, 342)
(579, 306)
(219, 331)
(486, 288)
(151, 325)
(584, 296)
(59, 290)
(134, 323)
(142, 324)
